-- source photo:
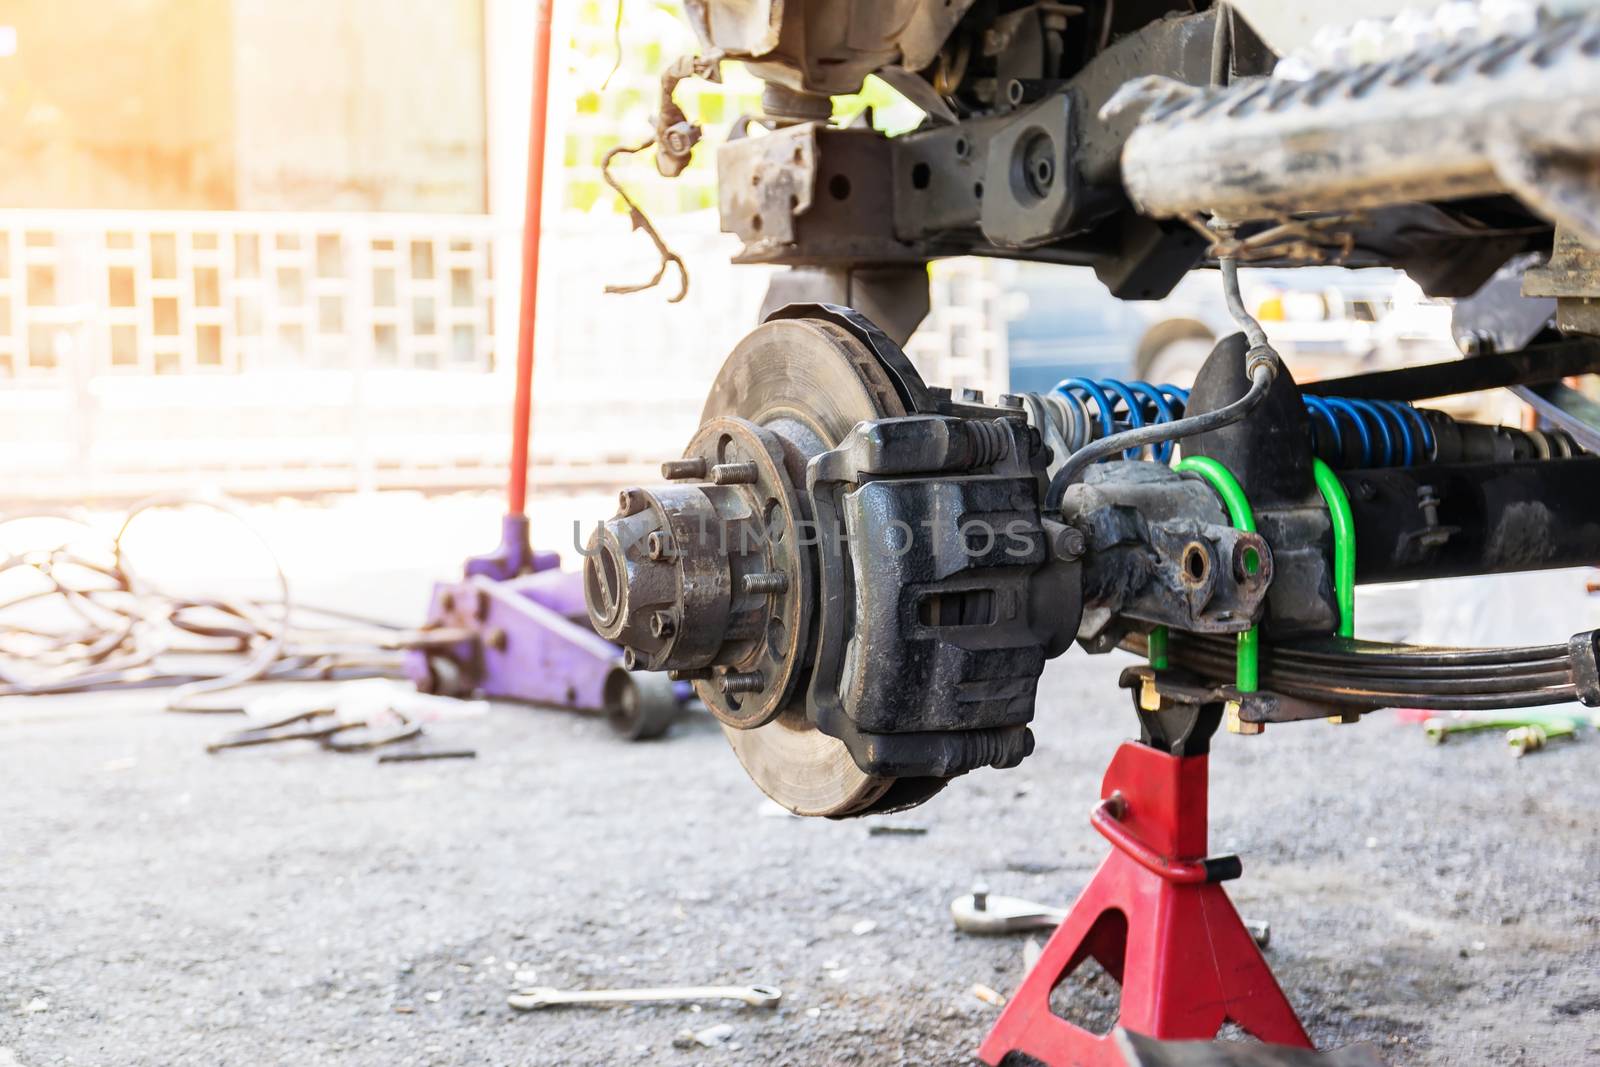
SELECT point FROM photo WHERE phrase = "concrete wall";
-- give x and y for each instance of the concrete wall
(363, 105)
(307, 105)
(117, 103)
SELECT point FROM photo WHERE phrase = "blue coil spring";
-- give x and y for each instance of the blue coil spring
(1349, 433)
(1390, 433)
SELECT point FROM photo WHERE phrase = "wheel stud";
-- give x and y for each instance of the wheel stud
(676, 469)
(734, 473)
(742, 682)
(766, 582)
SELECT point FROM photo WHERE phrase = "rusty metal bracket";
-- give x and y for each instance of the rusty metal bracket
(1584, 649)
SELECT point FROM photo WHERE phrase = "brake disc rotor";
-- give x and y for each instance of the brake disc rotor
(811, 382)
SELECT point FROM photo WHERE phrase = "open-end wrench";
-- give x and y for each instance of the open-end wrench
(757, 996)
(982, 912)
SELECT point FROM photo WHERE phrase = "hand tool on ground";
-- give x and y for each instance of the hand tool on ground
(982, 912)
(312, 724)
(1554, 724)
(1526, 739)
(756, 996)
(339, 725)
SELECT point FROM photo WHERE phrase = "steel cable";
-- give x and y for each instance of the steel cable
(92, 621)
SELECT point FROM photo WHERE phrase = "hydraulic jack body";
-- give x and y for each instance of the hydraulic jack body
(532, 637)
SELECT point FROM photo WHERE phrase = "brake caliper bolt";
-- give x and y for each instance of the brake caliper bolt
(677, 469)
(734, 473)
(1071, 544)
(742, 682)
(766, 582)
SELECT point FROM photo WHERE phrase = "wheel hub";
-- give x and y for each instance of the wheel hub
(710, 576)
(708, 579)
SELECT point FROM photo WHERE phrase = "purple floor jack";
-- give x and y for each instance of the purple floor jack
(534, 642)
(532, 639)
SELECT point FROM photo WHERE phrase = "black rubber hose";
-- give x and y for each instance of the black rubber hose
(1095, 451)
(1261, 364)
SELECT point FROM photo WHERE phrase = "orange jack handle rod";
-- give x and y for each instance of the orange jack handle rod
(532, 228)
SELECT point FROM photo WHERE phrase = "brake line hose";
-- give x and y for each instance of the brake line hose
(1261, 366)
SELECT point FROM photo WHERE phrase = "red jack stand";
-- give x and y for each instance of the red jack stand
(1154, 916)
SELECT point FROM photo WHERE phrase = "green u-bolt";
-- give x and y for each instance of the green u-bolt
(1344, 544)
(1248, 669)
(1157, 648)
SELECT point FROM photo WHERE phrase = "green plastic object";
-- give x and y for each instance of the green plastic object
(1157, 647)
(1248, 669)
(1344, 545)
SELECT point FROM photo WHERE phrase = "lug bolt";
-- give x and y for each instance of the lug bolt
(766, 582)
(662, 624)
(630, 502)
(734, 473)
(676, 469)
(659, 545)
(742, 682)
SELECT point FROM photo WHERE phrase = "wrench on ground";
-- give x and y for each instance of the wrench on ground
(757, 996)
(982, 912)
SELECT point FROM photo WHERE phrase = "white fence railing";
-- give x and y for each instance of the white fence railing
(286, 353)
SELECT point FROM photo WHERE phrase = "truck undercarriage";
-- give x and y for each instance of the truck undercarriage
(863, 574)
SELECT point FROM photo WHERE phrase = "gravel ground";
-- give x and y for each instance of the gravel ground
(163, 906)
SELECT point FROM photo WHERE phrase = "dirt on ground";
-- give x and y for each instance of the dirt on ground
(293, 906)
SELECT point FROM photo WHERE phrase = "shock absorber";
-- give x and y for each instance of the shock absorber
(1346, 433)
